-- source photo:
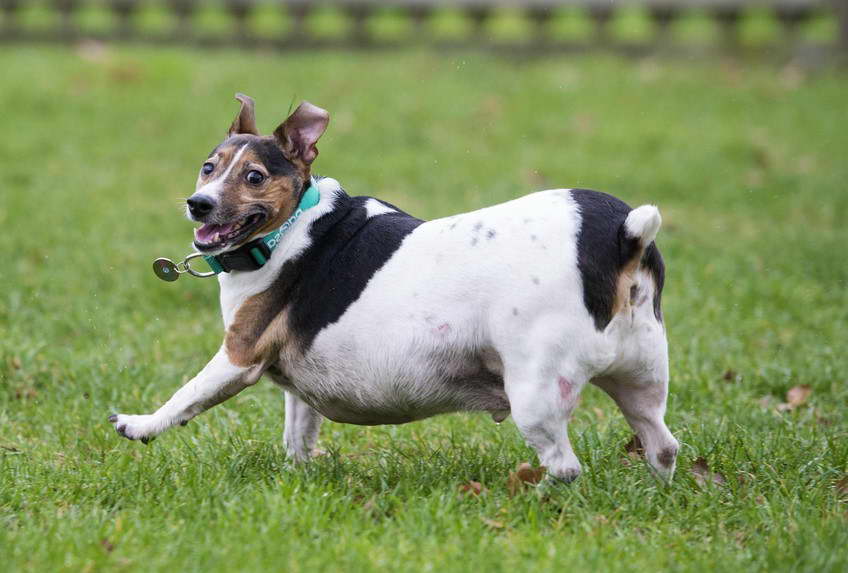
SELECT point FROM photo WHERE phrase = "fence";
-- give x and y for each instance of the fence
(534, 24)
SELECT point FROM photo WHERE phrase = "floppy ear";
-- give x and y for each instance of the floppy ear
(298, 135)
(245, 121)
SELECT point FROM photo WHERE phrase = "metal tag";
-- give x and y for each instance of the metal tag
(166, 270)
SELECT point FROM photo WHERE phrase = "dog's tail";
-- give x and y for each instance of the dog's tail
(641, 226)
(636, 237)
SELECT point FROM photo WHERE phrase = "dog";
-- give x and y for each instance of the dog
(364, 314)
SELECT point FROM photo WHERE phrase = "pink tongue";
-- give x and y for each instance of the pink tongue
(205, 233)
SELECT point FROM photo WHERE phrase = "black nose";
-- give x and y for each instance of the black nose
(200, 205)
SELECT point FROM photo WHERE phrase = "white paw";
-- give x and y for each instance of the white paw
(141, 427)
(302, 455)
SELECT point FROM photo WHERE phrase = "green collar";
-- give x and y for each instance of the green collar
(253, 255)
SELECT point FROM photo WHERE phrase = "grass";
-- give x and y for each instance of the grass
(746, 161)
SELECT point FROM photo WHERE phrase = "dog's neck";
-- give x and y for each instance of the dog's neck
(237, 286)
(254, 254)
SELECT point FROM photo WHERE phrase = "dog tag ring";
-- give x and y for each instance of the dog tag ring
(166, 270)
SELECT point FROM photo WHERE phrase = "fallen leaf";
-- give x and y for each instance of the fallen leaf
(822, 419)
(492, 523)
(795, 397)
(702, 474)
(26, 392)
(634, 447)
(16, 363)
(524, 475)
(841, 486)
(107, 545)
(729, 375)
(472, 488)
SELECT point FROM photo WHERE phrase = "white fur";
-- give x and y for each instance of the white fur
(218, 381)
(499, 285)
(374, 208)
(214, 188)
(643, 223)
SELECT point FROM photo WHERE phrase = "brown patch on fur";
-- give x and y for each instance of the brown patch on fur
(623, 285)
(245, 121)
(260, 334)
(279, 194)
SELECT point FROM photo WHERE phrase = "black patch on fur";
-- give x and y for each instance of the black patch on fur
(652, 261)
(272, 158)
(266, 149)
(603, 250)
(347, 249)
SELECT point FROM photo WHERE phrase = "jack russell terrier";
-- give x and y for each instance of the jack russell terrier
(366, 315)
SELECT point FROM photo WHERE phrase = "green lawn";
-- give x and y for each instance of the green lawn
(747, 162)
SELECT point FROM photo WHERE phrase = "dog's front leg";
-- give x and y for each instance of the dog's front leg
(219, 380)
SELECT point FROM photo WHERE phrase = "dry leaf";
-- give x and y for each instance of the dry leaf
(729, 375)
(16, 363)
(492, 523)
(795, 397)
(701, 471)
(26, 392)
(842, 486)
(635, 450)
(472, 488)
(822, 419)
(525, 474)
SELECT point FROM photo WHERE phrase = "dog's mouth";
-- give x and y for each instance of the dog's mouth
(217, 236)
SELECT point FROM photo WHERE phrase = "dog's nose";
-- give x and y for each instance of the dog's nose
(200, 205)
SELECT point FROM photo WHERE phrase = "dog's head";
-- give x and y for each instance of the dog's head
(250, 184)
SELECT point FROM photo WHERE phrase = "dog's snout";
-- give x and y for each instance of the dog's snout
(200, 205)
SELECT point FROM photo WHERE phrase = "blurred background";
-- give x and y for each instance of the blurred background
(730, 115)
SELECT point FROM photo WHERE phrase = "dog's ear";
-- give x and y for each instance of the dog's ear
(245, 121)
(298, 135)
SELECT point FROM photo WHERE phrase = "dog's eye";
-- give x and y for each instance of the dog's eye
(207, 168)
(254, 177)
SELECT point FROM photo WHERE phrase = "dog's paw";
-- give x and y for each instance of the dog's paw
(141, 427)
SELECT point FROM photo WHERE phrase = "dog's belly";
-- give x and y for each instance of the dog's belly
(351, 389)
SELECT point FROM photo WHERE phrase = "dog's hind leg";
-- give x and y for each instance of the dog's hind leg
(301, 430)
(541, 399)
(643, 401)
